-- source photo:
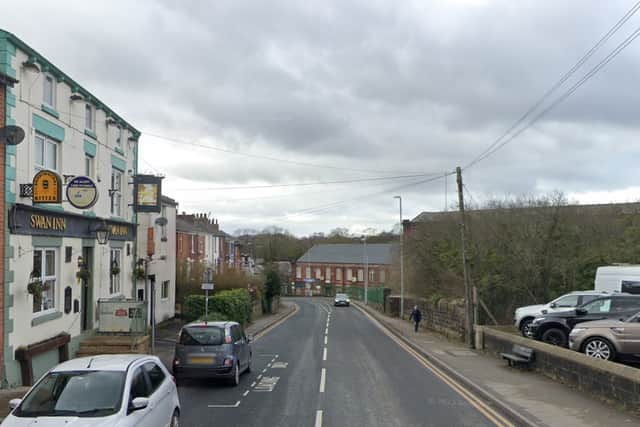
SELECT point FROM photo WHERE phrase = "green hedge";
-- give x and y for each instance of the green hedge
(224, 305)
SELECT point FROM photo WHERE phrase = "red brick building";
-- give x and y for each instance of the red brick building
(329, 268)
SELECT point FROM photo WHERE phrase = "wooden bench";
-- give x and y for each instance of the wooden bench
(519, 356)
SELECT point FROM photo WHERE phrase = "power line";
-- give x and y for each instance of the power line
(557, 85)
(263, 157)
(304, 184)
(567, 94)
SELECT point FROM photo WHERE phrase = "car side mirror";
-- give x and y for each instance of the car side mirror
(14, 403)
(139, 403)
(553, 305)
(581, 311)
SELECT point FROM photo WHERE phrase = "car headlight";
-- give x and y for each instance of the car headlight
(577, 331)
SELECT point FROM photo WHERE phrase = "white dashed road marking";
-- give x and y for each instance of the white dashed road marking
(245, 393)
(318, 419)
(324, 354)
(323, 380)
(225, 406)
(325, 340)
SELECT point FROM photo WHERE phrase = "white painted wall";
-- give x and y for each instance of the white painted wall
(71, 155)
(163, 264)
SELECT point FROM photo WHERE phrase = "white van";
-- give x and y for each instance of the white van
(618, 278)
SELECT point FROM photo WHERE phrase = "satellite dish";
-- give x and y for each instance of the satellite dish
(11, 135)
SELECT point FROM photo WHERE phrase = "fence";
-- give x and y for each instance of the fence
(375, 295)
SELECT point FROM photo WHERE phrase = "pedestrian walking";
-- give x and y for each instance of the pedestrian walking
(416, 316)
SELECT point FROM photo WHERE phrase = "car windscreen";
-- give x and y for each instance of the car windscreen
(202, 335)
(78, 394)
(342, 296)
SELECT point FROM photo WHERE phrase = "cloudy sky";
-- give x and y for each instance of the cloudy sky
(236, 99)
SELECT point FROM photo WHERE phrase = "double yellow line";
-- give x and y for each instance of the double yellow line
(474, 401)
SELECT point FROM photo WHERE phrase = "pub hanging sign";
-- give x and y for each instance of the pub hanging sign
(147, 192)
(47, 187)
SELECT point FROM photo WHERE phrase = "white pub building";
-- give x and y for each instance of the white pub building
(61, 258)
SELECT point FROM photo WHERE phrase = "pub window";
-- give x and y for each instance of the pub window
(46, 153)
(116, 192)
(115, 273)
(164, 291)
(88, 165)
(44, 273)
(49, 91)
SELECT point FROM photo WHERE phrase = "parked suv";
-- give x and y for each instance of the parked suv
(554, 328)
(608, 339)
(523, 316)
(212, 350)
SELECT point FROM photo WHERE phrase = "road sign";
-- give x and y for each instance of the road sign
(207, 286)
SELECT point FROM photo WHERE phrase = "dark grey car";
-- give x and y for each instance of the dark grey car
(212, 350)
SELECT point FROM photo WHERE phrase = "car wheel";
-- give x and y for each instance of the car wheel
(175, 419)
(235, 379)
(599, 348)
(524, 327)
(555, 336)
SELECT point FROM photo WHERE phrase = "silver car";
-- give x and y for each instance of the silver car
(212, 350)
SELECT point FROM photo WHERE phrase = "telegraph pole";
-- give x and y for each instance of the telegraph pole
(468, 297)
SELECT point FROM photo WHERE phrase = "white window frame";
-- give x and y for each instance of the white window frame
(116, 193)
(360, 275)
(349, 274)
(327, 273)
(164, 289)
(308, 273)
(48, 77)
(89, 165)
(47, 144)
(115, 282)
(298, 272)
(90, 117)
(338, 274)
(372, 275)
(47, 278)
(318, 272)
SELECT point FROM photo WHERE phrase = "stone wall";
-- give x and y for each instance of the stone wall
(445, 317)
(610, 382)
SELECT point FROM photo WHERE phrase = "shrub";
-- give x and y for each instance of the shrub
(229, 305)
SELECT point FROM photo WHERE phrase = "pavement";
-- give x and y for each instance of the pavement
(526, 397)
(327, 366)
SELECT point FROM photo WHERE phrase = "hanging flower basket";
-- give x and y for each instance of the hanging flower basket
(83, 274)
(138, 273)
(35, 288)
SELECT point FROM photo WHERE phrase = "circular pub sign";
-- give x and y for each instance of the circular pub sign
(82, 192)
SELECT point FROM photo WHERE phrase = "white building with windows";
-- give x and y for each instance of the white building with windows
(71, 132)
(161, 266)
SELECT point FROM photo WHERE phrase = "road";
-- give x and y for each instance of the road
(327, 366)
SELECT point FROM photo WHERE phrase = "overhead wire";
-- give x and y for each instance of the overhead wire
(614, 29)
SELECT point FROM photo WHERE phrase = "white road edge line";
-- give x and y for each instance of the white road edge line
(245, 393)
(253, 384)
(323, 379)
(324, 354)
(326, 331)
(264, 370)
(318, 419)
(325, 340)
(260, 376)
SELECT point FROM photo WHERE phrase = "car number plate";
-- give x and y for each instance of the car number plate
(201, 360)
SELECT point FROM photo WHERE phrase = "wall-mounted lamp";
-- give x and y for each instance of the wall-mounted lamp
(102, 233)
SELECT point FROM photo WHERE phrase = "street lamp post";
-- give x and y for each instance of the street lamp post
(366, 272)
(401, 260)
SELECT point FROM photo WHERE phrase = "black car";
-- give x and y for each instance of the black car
(554, 328)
